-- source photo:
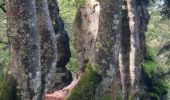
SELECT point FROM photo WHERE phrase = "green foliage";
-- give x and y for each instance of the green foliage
(156, 86)
(158, 29)
(3, 57)
(154, 96)
(86, 87)
(130, 98)
(72, 65)
(106, 97)
(2, 81)
(154, 65)
(68, 13)
(149, 64)
(80, 2)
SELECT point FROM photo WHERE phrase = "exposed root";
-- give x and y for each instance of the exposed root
(61, 94)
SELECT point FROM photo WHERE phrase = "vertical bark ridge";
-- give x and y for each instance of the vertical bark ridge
(48, 44)
(135, 45)
(124, 52)
(108, 42)
(86, 28)
(63, 76)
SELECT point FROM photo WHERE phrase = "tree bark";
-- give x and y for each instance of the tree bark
(99, 70)
(108, 42)
(99, 47)
(62, 76)
(86, 28)
(48, 44)
(33, 56)
(124, 52)
(24, 48)
(134, 22)
(134, 67)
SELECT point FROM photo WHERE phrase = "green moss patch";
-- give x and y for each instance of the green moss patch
(86, 88)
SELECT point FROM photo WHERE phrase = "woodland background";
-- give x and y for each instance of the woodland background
(156, 66)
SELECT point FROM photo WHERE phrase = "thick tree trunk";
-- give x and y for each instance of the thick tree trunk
(99, 47)
(48, 44)
(101, 52)
(62, 76)
(108, 42)
(133, 42)
(24, 48)
(86, 28)
(30, 50)
(134, 67)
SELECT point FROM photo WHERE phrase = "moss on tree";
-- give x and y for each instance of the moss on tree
(86, 87)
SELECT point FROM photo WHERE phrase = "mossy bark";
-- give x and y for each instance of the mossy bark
(87, 86)
(100, 44)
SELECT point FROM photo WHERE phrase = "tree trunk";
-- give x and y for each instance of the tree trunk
(62, 76)
(134, 67)
(48, 44)
(104, 54)
(108, 42)
(24, 48)
(133, 42)
(99, 47)
(86, 28)
(33, 56)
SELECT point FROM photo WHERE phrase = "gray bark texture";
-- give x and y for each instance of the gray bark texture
(34, 34)
(24, 48)
(108, 42)
(48, 44)
(86, 28)
(97, 38)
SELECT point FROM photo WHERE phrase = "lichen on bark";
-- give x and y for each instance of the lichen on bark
(24, 48)
(48, 44)
(86, 28)
(108, 42)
